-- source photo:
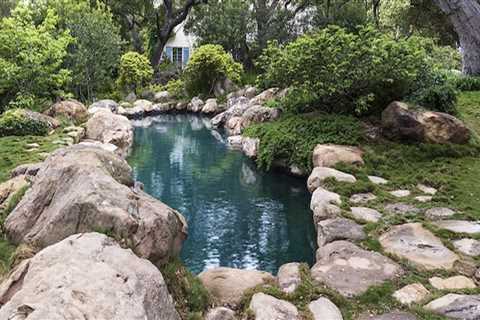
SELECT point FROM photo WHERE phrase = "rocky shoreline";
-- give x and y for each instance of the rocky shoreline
(86, 191)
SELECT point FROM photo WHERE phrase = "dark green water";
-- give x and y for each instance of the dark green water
(237, 215)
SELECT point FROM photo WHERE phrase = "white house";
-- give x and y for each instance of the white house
(180, 46)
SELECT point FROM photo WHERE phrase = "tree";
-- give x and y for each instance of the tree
(32, 54)
(465, 17)
(244, 27)
(6, 7)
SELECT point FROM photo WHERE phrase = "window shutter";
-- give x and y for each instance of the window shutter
(186, 55)
(169, 53)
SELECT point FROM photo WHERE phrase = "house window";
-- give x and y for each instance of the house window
(177, 56)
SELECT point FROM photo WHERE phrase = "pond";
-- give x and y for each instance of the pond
(238, 216)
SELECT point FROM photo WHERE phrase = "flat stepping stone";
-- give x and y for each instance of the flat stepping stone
(266, 307)
(427, 189)
(351, 270)
(320, 174)
(459, 226)
(324, 309)
(338, 229)
(413, 293)
(389, 316)
(400, 193)
(439, 213)
(457, 306)
(377, 180)
(419, 246)
(362, 198)
(365, 214)
(424, 199)
(289, 277)
(452, 283)
(470, 247)
(402, 209)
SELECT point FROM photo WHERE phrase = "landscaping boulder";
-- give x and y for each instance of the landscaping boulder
(69, 109)
(365, 214)
(338, 229)
(324, 205)
(328, 155)
(161, 97)
(350, 270)
(227, 285)
(107, 127)
(289, 277)
(28, 169)
(265, 307)
(264, 96)
(195, 105)
(419, 246)
(401, 122)
(457, 306)
(86, 276)
(320, 174)
(220, 313)
(103, 104)
(85, 188)
(250, 147)
(211, 106)
(324, 309)
(9, 188)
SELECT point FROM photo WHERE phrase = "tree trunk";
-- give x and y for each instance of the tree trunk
(465, 17)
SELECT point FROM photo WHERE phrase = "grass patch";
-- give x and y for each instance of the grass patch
(191, 297)
(469, 111)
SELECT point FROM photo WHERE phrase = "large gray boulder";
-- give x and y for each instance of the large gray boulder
(289, 277)
(401, 122)
(227, 285)
(419, 246)
(103, 104)
(85, 188)
(86, 276)
(106, 127)
(350, 270)
(329, 155)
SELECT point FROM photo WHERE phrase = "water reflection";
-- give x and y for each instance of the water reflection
(237, 215)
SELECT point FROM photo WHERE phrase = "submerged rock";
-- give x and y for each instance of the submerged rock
(265, 307)
(419, 246)
(350, 270)
(227, 285)
(457, 306)
(107, 127)
(85, 188)
(86, 276)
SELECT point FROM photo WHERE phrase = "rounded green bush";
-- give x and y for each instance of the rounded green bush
(20, 122)
(135, 71)
(209, 64)
(346, 72)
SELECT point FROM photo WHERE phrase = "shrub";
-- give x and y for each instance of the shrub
(20, 122)
(176, 88)
(209, 64)
(343, 71)
(135, 71)
(294, 137)
(441, 98)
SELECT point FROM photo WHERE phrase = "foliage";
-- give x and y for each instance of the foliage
(135, 71)
(188, 292)
(294, 137)
(31, 56)
(93, 56)
(467, 83)
(345, 72)
(17, 122)
(13, 202)
(469, 111)
(441, 98)
(209, 64)
(176, 88)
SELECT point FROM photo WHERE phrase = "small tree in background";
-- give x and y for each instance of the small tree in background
(209, 64)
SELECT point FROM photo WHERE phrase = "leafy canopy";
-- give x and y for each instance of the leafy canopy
(31, 56)
(135, 71)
